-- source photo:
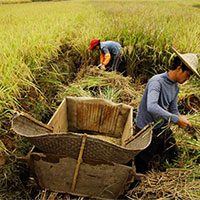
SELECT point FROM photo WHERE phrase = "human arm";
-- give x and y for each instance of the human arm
(182, 120)
(155, 99)
(102, 58)
(155, 109)
(105, 58)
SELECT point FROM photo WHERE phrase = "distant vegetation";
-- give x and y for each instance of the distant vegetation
(22, 1)
(14, 1)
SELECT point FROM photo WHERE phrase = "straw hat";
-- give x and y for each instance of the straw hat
(190, 60)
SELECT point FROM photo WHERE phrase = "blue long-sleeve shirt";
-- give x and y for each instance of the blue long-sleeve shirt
(110, 47)
(159, 101)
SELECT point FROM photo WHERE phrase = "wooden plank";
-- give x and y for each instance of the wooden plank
(59, 119)
(128, 129)
(72, 113)
(97, 115)
(122, 119)
(108, 119)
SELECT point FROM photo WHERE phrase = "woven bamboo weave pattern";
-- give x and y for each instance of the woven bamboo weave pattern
(95, 149)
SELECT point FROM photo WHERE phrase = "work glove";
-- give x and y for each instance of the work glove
(101, 66)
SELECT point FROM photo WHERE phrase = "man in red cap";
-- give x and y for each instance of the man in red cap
(110, 53)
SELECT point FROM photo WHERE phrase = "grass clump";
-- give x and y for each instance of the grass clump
(109, 85)
(14, 174)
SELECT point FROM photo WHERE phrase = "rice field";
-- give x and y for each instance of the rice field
(31, 34)
(44, 55)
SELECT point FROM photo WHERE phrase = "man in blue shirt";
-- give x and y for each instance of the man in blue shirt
(159, 103)
(110, 53)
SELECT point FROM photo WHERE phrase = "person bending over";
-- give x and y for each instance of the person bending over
(159, 104)
(110, 54)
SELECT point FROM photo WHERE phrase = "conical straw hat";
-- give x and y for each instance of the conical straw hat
(190, 60)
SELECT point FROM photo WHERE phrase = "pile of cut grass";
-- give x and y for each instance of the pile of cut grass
(113, 86)
(173, 184)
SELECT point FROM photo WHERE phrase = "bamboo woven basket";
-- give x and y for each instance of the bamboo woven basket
(92, 116)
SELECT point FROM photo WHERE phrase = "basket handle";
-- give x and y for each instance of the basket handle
(79, 162)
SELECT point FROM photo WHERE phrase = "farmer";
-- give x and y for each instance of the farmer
(159, 103)
(110, 53)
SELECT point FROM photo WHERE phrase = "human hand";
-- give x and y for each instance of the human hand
(101, 66)
(183, 121)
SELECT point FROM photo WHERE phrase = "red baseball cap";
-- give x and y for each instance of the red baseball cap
(94, 43)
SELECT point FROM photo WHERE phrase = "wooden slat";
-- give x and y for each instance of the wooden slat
(59, 119)
(72, 114)
(78, 162)
(36, 121)
(121, 120)
(128, 129)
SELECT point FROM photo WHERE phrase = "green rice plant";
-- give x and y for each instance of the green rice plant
(148, 37)
(110, 93)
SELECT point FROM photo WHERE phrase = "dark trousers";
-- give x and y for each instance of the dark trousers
(161, 149)
(116, 62)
